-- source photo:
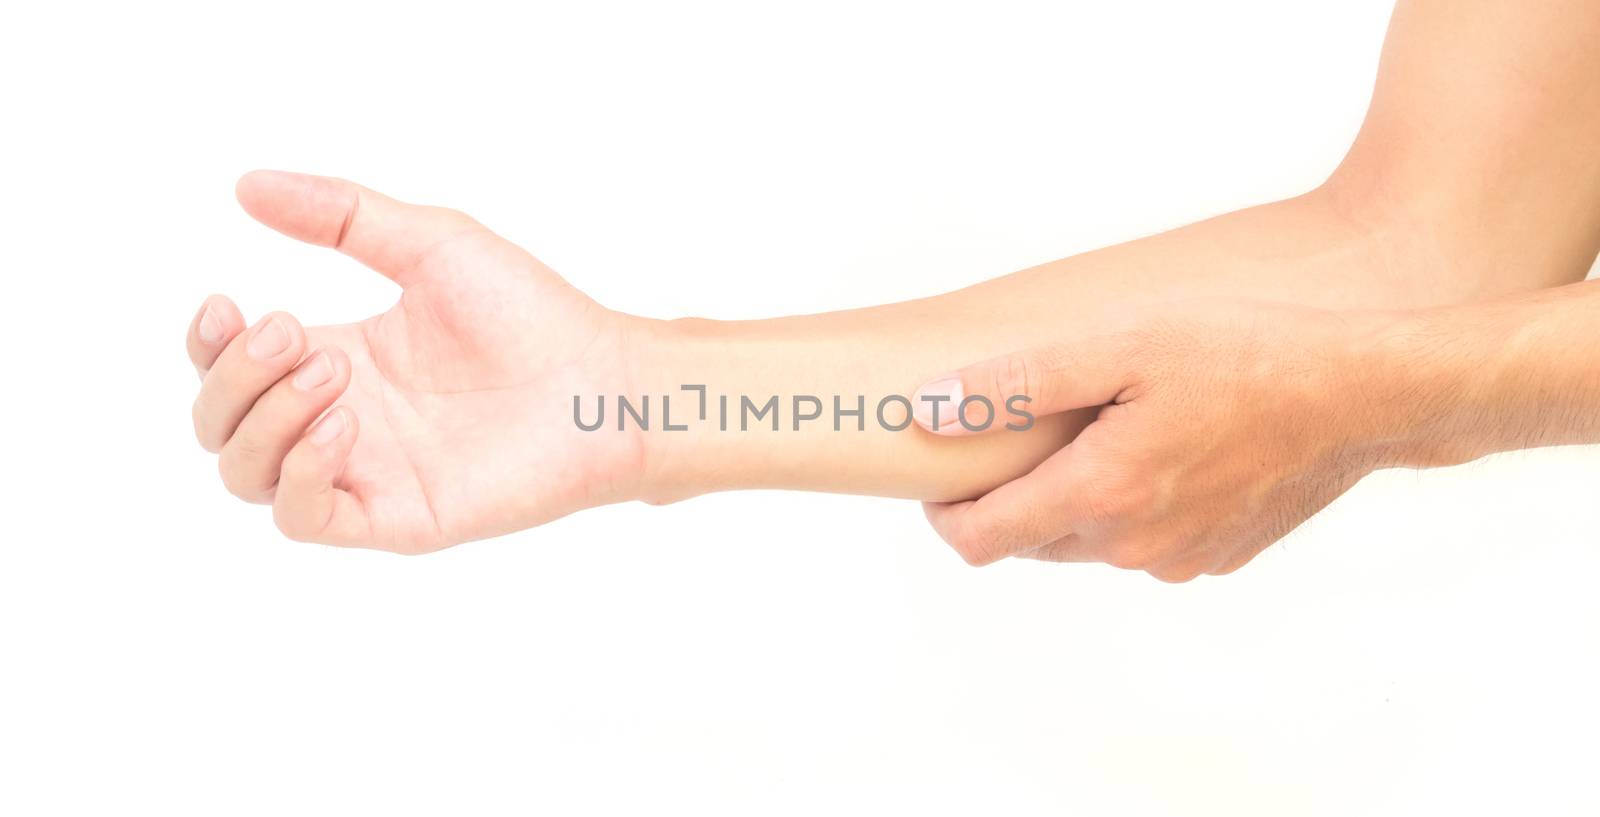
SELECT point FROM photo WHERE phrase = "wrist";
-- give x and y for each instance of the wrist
(667, 359)
(648, 346)
(1416, 379)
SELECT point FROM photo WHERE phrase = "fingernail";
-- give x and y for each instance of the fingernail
(944, 393)
(269, 340)
(330, 428)
(210, 329)
(314, 372)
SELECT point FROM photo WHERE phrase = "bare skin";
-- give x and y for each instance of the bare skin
(1222, 426)
(452, 418)
(448, 403)
(1231, 422)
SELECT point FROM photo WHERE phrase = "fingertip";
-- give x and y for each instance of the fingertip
(290, 322)
(245, 188)
(205, 327)
(335, 430)
(287, 317)
(957, 404)
(214, 325)
(218, 320)
(313, 209)
(257, 190)
(224, 305)
(313, 464)
(277, 339)
(934, 405)
(340, 359)
(309, 507)
(341, 366)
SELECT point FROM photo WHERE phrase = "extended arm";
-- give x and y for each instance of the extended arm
(450, 416)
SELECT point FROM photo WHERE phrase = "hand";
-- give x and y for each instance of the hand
(447, 419)
(1224, 427)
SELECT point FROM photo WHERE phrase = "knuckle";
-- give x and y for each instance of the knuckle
(976, 547)
(1176, 575)
(452, 217)
(204, 432)
(1135, 497)
(293, 469)
(239, 467)
(1131, 556)
(974, 556)
(1230, 566)
(1117, 498)
(1016, 376)
(410, 543)
(1045, 554)
(1160, 333)
(1104, 505)
(289, 525)
(1034, 373)
(1118, 503)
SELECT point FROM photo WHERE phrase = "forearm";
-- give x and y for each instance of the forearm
(1305, 250)
(1459, 383)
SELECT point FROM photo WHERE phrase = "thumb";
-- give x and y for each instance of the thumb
(1011, 391)
(389, 236)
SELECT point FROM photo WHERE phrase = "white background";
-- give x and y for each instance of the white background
(1428, 645)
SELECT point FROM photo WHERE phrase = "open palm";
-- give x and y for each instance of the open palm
(449, 416)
